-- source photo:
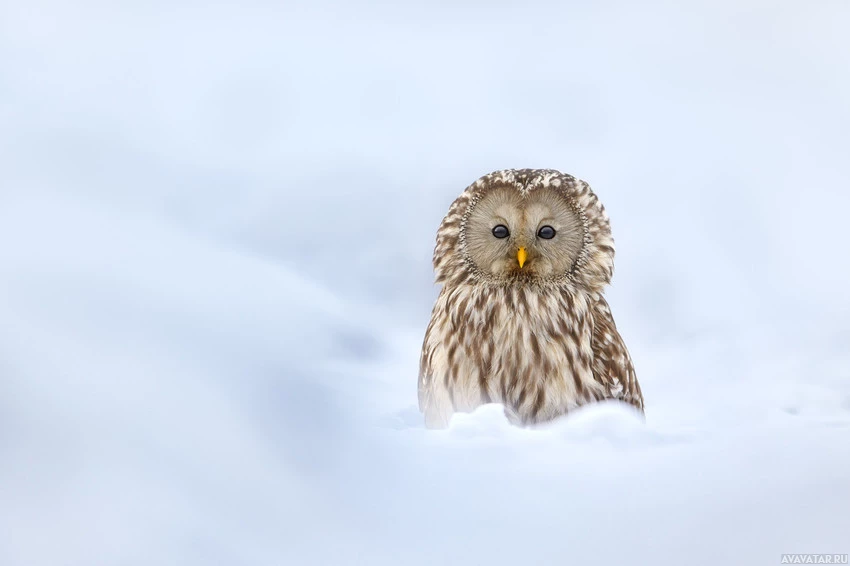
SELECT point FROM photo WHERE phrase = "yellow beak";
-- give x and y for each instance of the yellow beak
(520, 256)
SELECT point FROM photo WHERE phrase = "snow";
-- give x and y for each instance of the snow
(215, 234)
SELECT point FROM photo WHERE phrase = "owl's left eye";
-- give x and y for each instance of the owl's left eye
(501, 231)
(546, 232)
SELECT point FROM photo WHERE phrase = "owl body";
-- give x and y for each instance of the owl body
(523, 256)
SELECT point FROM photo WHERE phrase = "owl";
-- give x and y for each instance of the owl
(523, 257)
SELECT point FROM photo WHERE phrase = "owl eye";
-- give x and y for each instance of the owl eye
(501, 231)
(546, 232)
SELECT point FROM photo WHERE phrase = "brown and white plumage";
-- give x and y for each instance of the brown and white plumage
(521, 319)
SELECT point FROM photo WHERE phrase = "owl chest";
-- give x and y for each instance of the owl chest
(531, 353)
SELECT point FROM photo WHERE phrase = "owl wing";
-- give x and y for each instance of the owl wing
(425, 373)
(434, 398)
(612, 364)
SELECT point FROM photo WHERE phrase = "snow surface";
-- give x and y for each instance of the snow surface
(216, 224)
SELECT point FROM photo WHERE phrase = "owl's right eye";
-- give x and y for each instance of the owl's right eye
(501, 231)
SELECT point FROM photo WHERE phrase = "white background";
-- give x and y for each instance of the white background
(216, 226)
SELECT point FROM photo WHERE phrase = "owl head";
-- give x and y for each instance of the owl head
(526, 226)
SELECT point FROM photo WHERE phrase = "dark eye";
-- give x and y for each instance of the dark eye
(546, 232)
(501, 231)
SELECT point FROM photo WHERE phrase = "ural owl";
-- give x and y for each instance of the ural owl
(523, 257)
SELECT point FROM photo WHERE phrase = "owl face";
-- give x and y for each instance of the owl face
(532, 235)
(518, 226)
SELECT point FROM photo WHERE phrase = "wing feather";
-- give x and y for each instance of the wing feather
(612, 364)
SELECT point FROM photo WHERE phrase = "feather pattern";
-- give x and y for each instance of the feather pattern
(541, 343)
